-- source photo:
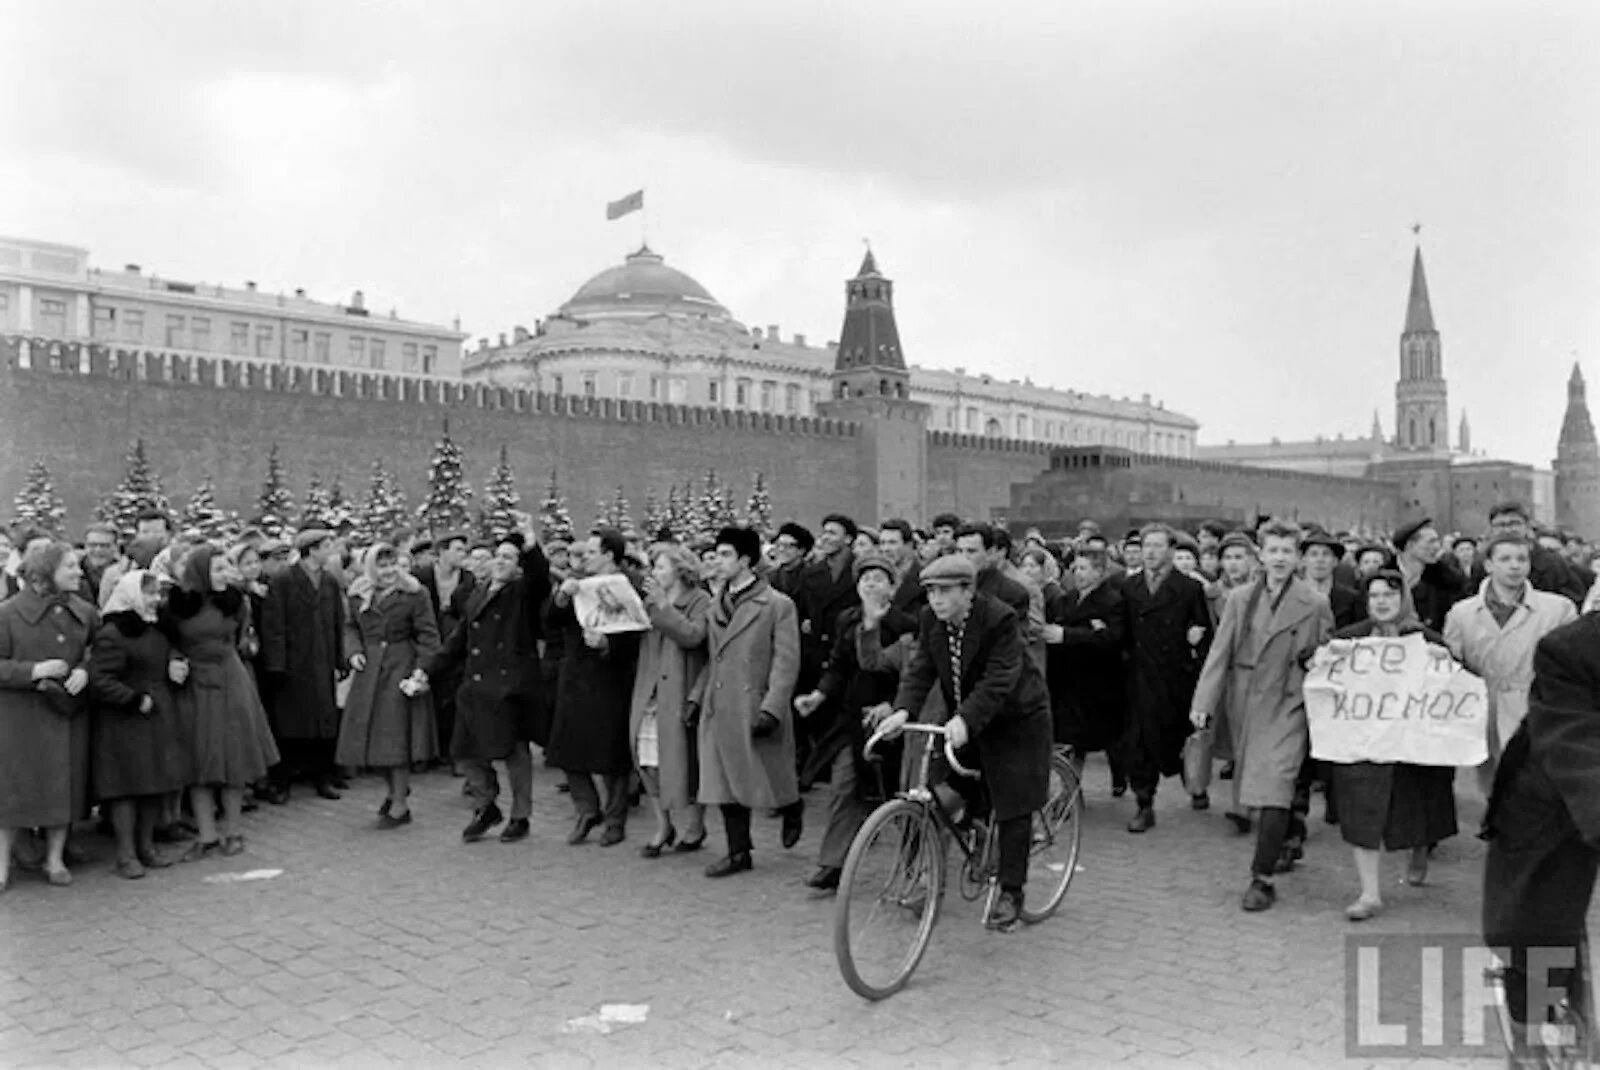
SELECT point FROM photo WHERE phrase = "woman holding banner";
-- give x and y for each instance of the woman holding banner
(1391, 805)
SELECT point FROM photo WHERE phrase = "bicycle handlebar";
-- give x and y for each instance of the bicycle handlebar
(926, 729)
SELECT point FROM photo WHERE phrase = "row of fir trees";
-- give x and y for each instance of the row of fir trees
(692, 511)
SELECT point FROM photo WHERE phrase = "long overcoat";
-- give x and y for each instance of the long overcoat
(821, 600)
(589, 726)
(302, 641)
(1504, 656)
(134, 753)
(1088, 693)
(1256, 667)
(44, 756)
(753, 660)
(672, 656)
(1162, 666)
(1002, 699)
(221, 718)
(382, 726)
(496, 650)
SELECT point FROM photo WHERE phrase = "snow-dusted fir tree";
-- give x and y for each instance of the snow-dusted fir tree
(497, 515)
(37, 503)
(758, 510)
(655, 518)
(275, 506)
(620, 515)
(697, 521)
(316, 506)
(202, 513)
(139, 490)
(341, 510)
(555, 521)
(383, 511)
(723, 512)
(448, 506)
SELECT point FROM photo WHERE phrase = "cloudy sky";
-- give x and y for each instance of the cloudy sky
(1207, 202)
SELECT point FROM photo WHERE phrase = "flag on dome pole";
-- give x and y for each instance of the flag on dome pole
(633, 202)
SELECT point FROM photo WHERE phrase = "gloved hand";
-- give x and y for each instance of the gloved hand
(765, 725)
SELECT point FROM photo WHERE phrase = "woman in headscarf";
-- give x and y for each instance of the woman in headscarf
(1391, 805)
(45, 630)
(138, 756)
(221, 716)
(389, 635)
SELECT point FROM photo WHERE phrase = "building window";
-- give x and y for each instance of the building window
(588, 384)
(677, 390)
(52, 317)
(713, 391)
(322, 347)
(376, 352)
(175, 331)
(741, 394)
(264, 343)
(200, 333)
(557, 386)
(972, 421)
(132, 325)
(105, 322)
(769, 396)
(791, 399)
(408, 356)
(238, 339)
(655, 388)
(430, 359)
(299, 340)
(358, 351)
(1022, 427)
(950, 419)
(625, 385)
(5, 301)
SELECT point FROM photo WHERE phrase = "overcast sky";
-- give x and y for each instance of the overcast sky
(1209, 202)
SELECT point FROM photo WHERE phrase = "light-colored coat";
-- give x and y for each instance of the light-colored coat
(1258, 675)
(753, 661)
(672, 656)
(1504, 656)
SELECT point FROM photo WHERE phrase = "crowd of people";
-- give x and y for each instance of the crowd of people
(176, 683)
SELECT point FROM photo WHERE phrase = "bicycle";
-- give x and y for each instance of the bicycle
(892, 885)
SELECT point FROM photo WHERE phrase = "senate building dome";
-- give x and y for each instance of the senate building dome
(642, 285)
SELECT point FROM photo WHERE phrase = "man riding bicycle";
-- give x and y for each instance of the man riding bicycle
(971, 645)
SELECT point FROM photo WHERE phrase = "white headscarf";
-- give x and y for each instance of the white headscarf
(128, 596)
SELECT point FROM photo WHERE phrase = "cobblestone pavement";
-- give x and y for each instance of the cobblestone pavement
(412, 948)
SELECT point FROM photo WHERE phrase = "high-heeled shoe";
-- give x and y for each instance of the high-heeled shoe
(687, 846)
(655, 847)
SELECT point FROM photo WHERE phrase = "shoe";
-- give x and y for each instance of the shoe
(581, 829)
(738, 863)
(1417, 869)
(73, 855)
(686, 846)
(612, 836)
(130, 869)
(390, 821)
(340, 781)
(1259, 896)
(563, 788)
(793, 825)
(825, 879)
(1119, 788)
(232, 845)
(59, 877)
(325, 790)
(654, 848)
(1007, 912)
(249, 805)
(1241, 822)
(276, 794)
(1227, 772)
(1200, 802)
(199, 850)
(1362, 909)
(383, 811)
(1285, 862)
(153, 859)
(516, 829)
(418, 768)
(1143, 821)
(482, 822)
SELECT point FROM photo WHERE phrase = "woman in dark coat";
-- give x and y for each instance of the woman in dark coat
(589, 732)
(138, 756)
(45, 631)
(388, 723)
(1391, 805)
(219, 712)
(1088, 690)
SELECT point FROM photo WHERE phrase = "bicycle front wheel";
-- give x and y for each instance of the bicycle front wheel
(1057, 835)
(888, 898)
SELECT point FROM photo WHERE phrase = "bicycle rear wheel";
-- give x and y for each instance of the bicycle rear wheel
(888, 898)
(1057, 834)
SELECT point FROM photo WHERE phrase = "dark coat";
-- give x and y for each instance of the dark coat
(909, 596)
(382, 726)
(222, 722)
(446, 614)
(589, 730)
(1549, 570)
(1348, 605)
(44, 756)
(1543, 823)
(1003, 701)
(134, 753)
(496, 651)
(999, 586)
(1442, 585)
(302, 641)
(1394, 805)
(1088, 691)
(851, 689)
(1162, 667)
(787, 579)
(820, 603)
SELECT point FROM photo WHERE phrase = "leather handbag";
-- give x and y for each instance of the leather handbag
(1197, 761)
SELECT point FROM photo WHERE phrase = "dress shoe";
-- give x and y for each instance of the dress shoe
(612, 836)
(581, 829)
(154, 859)
(130, 869)
(232, 845)
(200, 850)
(687, 846)
(516, 829)
(1227, 772)
(738, 863)
(825, 879)
(482, 822)
(793, 825)
(1362, 909)
(1259, 896)
(654, 848)
(1119, 788)
(276, 794)
(390, 821)
(1007, 912)
(1200, 802)
(383, 811)
(1143, 821)
(325, 790)
(1241, 822)
(340, 781)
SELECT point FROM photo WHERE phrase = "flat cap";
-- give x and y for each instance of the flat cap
(1322, 538)
(1406, 532)
(310, 537)
(1237, 538)
(948, 571)
(872, 559)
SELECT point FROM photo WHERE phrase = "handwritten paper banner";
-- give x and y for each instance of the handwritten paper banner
(1394, 700)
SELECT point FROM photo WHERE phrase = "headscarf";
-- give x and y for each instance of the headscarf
(128, 596)
(1408, 619)
(367, 588)
(196, 575)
